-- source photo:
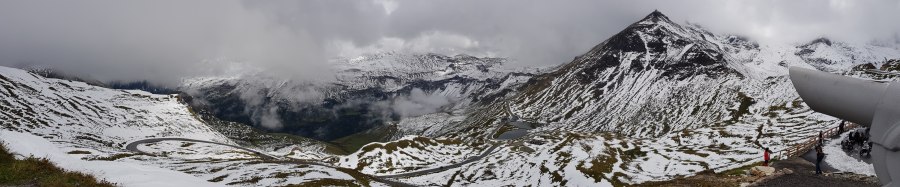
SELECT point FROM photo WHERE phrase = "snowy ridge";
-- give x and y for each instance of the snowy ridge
(93, 116)
(52, 118)
(657, 77)
(652, 78)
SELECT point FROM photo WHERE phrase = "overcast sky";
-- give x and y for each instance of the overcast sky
(166, 40)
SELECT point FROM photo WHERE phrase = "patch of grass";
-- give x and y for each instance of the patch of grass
(352, 143)
(694, 152)
(359, 176)
(634, 153)
(116, 156)
(33, 171)
(187, 144)
(281, 175)
(326, 182)
(253, 180)
(743, 108)
(742, 169)
(601, 165)
(78, 152)
(218, 179)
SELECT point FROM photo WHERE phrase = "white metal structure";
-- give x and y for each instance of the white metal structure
(865, 102)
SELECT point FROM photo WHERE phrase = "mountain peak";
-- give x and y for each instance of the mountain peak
(655, 17)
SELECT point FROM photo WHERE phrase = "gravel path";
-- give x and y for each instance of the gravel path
(804, 175)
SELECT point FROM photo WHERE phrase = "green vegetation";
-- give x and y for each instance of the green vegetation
(253, 180)
(741, 170)
(417, 142)
(693, 152)
(77, 152)
(116, 156)
(218, 179)
(358, 176)
(743, 108)
(634, 153)
(326, 182)
(733, 177)
(601, 165)
(33, 171)
(352, 143)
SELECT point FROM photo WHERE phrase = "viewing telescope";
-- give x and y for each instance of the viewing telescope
(865, 102)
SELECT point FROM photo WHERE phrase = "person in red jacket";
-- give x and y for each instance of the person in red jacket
(766, 157)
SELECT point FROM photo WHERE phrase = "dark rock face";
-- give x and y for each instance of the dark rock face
(697, 61)
(654, 39)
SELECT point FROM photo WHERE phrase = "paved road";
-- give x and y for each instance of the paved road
(383, 178)
(133, 146)
(445, 168)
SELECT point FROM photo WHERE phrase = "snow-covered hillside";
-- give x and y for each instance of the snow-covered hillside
(656, 101)
(85, 128)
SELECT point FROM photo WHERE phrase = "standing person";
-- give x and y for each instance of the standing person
(820, 155)
(821, 138)
(841, 128)
(869, 151)
(766, 157)
(860, 138)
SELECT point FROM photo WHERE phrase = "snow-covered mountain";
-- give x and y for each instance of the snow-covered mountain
(656, 101)
(657, 77)
(85, 128)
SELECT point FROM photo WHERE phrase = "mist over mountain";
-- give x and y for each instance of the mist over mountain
(162, 43)
(408, 93)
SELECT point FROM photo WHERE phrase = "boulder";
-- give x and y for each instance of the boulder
(787, 171)
(762, 171)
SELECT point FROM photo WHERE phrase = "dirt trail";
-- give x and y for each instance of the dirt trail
(804, 175)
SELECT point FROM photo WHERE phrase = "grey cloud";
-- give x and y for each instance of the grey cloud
(419, 102)
(270, 119)
(156, 40)
(553, 32)
(167, 40)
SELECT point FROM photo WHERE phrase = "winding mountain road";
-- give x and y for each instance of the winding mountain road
(133, 146)
(383, 178)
